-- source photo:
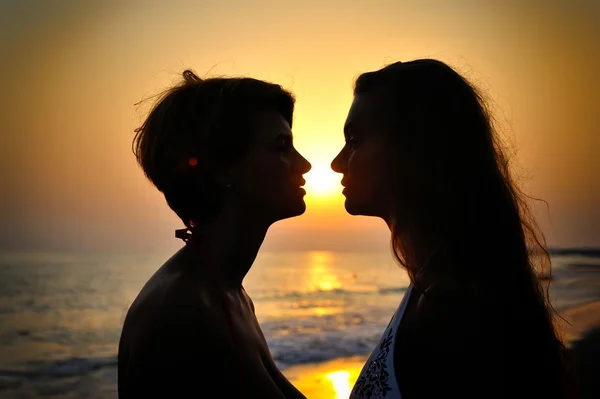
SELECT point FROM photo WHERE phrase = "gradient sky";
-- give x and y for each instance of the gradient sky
(72, 72)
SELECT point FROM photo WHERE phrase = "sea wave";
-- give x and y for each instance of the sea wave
(586, 252)
(325, 293)
(62, 368)
(324, 346)
(291, 342)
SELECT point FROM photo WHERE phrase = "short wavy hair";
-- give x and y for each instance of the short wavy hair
(199, 125)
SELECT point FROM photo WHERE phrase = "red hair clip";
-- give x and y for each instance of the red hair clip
(186, 164)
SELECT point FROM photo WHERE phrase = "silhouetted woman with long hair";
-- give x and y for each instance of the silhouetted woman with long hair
(422, 154)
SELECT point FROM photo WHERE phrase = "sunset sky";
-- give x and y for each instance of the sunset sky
(72, 72)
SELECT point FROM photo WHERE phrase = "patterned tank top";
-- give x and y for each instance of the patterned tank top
(378, 377)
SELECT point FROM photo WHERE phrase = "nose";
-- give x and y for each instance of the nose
(303, 166)
(338, 165)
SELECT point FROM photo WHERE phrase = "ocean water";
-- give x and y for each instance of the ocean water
(61, 314)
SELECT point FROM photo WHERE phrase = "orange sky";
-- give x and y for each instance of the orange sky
(72, 73)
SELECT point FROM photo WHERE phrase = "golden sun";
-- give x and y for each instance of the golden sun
(321, 181)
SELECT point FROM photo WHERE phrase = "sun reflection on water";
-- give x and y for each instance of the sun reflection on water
(321, 277)
(341, 383)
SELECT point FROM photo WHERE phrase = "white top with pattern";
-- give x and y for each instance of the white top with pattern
(378, 377)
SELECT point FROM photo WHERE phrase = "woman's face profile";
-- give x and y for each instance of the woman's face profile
(365, 160)
(267, 182)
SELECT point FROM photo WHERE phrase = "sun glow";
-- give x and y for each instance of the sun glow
(321, 181)
(341, 383)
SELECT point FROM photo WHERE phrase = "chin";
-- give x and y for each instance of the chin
(357, 209)
(292, 210)
(352, 208)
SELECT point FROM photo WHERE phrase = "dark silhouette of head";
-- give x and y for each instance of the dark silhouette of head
(423, 154)
(217, 144)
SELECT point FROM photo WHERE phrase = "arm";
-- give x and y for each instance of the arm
(191, 355)
(286, 387)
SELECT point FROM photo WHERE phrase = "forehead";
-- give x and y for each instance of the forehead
(270, 124)
(365, 110)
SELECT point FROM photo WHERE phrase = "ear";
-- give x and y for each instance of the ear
(227, 175)
(234, 173)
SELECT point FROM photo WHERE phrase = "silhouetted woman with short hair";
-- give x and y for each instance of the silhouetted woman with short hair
(221, 152)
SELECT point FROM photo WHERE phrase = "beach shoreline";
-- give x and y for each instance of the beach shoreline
(326, 380)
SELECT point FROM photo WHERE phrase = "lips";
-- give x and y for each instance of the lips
(344, 184)
(299, 183)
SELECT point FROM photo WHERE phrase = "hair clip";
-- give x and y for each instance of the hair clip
(183, 234)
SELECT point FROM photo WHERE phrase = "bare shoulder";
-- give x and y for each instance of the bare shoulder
(177, 339)
(171, 333)
(173, 306)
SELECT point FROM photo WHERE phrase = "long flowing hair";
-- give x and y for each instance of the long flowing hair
(460, 215)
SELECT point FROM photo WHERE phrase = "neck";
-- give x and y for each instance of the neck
(419, 251)
(228, 246)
